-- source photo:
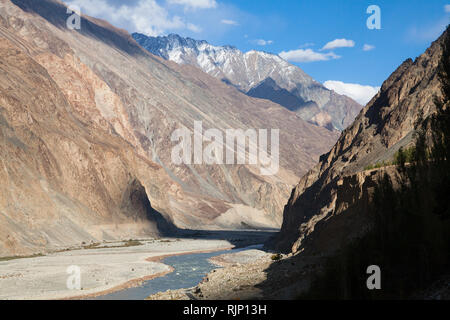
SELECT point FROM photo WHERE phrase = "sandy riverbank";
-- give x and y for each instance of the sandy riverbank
(103, 270)
(248, 275)
(237, 279)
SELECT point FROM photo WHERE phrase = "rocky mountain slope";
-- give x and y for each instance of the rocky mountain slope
(333, 205)
(64, 181)
(86, 118)
(327, 206)
(261, 75)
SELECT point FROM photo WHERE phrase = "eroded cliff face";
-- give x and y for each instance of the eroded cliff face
(384, 125)
(63, 181)
(86, 119)
(344, 214)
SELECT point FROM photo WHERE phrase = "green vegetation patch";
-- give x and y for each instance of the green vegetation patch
(401, 156)
(21, 257)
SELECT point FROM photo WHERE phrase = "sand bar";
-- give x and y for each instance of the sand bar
(103, 270)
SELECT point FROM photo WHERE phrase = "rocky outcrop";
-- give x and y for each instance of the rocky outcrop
(259, 74)
(86, 119)
(339, 181)
(344, 212)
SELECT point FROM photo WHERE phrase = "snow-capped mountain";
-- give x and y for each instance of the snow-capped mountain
(261, 75)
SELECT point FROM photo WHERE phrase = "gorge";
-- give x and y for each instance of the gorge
(119, 152)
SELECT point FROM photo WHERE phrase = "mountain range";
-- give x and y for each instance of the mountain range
(86, 125)
(86, 120)
(259, 74)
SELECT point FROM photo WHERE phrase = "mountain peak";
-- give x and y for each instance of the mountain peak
(247, 71)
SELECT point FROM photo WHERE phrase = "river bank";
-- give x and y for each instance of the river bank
(251, 275)
(109, 268)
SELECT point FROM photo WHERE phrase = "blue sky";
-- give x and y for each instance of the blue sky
(298, 28)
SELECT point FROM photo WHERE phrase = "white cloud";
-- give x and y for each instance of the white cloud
(368, 47)
(307, 55)
(339, 43)
(229, 22)
(447, 8)
(195, 4)
(360, 93)
(262, 42)
(145, 16)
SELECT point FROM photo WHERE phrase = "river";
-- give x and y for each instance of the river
(189, 270)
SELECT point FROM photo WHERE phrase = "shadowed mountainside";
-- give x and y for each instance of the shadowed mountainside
(318, 207)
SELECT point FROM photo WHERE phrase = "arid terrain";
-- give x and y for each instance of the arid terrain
(86, 119)
(108, 266)
(88, 176)
(330, 207)
(336, 189)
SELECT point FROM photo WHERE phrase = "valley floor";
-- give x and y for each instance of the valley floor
(253, 275)
(102, 270)
(114, 266)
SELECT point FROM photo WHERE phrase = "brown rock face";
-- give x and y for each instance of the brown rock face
(63, 182)
(85, 124)
(383, 126)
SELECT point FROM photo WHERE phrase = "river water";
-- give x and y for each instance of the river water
(189, 271)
